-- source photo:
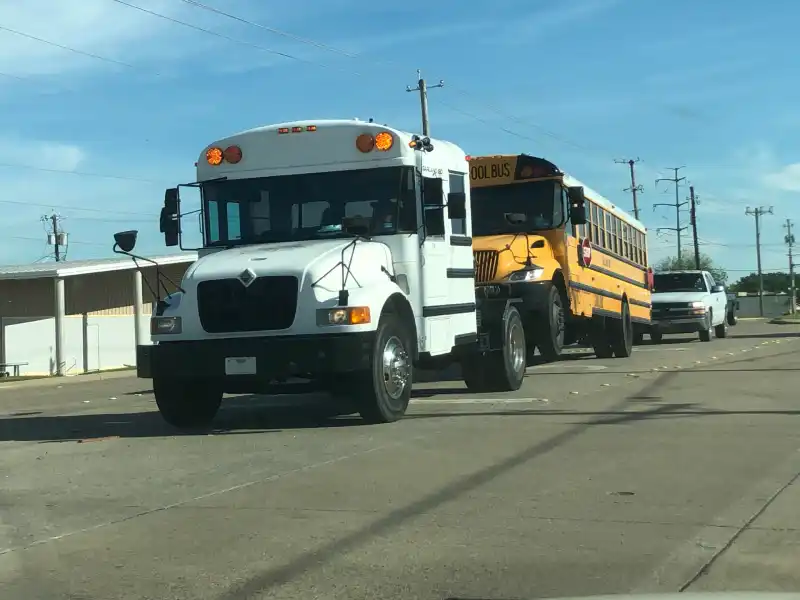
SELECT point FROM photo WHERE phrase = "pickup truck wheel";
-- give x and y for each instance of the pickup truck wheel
(721, 330)
(621, 331)
(705, 334)
(550, 325)
(383, 392)
(186, 404)
(731, 318)
(499, 370)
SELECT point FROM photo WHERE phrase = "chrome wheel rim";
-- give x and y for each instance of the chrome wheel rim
(516, 339)
(395, 368)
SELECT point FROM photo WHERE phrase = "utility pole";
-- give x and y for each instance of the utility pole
(634, 189)
(790, 242)
(693, 208)
(758, 213)
(677, 229)
(423, 88)
(56, 237)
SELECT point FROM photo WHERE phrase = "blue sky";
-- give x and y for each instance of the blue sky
(710, 85)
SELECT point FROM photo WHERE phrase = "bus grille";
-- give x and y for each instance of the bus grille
(225, 305)
(485, 265)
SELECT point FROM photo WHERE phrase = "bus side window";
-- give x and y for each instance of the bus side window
(234, 220)
(213, 221)
(432, 201)
(458, 226)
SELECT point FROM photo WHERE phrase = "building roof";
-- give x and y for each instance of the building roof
(71, 268)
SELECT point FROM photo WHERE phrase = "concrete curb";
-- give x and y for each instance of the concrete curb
(781, 321)
(57, 381)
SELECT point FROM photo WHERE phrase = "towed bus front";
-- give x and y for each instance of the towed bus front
(257, 314)
(517, 266)
(679, 312)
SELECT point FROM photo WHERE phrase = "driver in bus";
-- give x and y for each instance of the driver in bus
(383, 215)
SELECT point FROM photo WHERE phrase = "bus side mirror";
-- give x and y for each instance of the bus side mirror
(169, 222)
(125, 241)
(577, 205)
(457, 205)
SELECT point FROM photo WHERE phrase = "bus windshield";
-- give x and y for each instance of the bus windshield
(539, 201)
(307, 206)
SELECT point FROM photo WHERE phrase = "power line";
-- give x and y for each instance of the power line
(80, 173)
(677, 229)
(81, 208)
(217, 34)
(353, 55)
(67, 48)
(758, 213)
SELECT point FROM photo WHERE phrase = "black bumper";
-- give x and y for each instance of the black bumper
(680, 325)
(275, 357)
(532, 295)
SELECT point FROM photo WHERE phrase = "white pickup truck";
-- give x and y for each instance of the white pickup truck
(688, 302)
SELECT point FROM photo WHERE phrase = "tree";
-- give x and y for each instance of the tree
(775, 283)
(686, 263)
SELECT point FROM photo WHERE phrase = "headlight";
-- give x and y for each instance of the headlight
(697, 305)
(165, 325)
(530, 274)
(343, 315)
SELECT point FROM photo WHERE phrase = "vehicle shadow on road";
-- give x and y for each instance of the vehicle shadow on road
(620, 417)
(239, 415)
(765, 336)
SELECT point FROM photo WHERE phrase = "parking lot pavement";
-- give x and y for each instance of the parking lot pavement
(672, 468)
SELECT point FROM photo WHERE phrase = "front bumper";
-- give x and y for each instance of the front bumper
(693, 324)
(275, 357)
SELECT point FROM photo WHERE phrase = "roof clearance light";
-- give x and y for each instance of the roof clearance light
(214, 156)
(365, 142)
(311, 128)
(297, 129)
(384, 141)
(283, 130)
(232, 154)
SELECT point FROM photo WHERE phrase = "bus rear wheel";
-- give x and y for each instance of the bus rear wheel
(621, 333)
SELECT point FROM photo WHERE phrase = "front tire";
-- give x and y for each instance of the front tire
(550, 325)
(721, 330)
(705, 334)
(186, 404)
(499, 370)
(384, 391)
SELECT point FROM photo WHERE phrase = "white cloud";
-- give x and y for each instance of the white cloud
(43, 154)
(786, 179)
(525, 29)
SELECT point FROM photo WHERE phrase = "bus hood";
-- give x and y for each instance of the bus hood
(519, 243)
(315, 261)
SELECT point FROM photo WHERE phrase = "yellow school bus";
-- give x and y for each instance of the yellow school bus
(575, 263)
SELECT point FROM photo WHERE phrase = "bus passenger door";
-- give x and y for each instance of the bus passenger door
(445, 308)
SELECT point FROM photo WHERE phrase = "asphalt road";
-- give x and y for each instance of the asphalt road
(676, 469)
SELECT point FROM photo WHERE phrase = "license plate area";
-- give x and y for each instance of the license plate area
(240, 365)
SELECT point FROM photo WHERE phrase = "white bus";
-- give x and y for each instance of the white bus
(335, 251)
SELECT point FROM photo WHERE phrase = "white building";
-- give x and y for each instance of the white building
(67, 318)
